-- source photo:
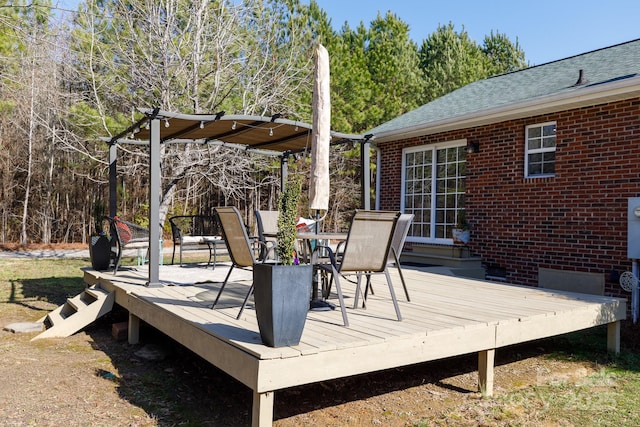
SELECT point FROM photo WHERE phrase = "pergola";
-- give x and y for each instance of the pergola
(272, 136)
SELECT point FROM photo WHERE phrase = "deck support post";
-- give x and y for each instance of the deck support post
(134, 329)
(485, 371)
(613, 337)
(262, 413)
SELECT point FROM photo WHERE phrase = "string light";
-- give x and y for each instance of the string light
(166, 123)
(202, 125)
(235, 124)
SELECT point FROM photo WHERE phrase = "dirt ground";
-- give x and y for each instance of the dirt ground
(92, 379)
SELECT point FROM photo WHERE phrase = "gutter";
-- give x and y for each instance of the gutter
(586, 96)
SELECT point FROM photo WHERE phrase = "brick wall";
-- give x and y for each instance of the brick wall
(576, 220)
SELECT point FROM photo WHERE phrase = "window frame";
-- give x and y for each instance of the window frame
(433, 150)
(541, 150)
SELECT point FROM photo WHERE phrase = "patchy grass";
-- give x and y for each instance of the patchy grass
(574, 383)
(31, 288)
(602, 398)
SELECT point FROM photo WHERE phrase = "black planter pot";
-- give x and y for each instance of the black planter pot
(100, 251)
(281, 296)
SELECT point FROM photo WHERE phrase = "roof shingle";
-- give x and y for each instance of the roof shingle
(600, 66)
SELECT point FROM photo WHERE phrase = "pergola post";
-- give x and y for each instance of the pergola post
(155, 185)
(113, 180)
(284, 170)
(378, 174)
(365, 178)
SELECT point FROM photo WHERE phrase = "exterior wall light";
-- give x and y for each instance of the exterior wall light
(473, 147)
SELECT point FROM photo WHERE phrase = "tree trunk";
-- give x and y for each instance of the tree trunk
(27, 190)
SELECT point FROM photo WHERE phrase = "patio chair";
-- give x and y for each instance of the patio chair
(397, 243)
(267, 227)
(366, 252)
(242, 250)
(126, 235)
(195, 232)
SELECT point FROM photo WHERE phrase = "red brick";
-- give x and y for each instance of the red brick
(574, 221)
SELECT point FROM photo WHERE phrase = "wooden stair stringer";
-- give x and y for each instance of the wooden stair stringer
(77, 313)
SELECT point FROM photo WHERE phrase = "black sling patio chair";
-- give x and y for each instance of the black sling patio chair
(267, 228)
(242, 250)
(126, 235)
(397, 243)
(366, 252)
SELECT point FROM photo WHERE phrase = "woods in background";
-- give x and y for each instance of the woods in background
(69, 78)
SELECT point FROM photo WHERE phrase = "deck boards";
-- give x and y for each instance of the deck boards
(447, 316)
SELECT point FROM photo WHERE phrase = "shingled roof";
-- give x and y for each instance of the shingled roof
(590, 78)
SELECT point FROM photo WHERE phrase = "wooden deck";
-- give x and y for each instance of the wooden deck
(447, 316)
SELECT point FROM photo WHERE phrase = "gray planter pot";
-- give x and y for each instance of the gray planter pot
(100, 252)
(281, 296)
(460, 236)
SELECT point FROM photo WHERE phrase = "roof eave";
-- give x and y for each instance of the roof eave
(614, 91)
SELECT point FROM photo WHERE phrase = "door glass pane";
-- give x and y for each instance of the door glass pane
(446, 179)
(450, 197)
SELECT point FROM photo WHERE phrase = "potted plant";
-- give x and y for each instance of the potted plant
(282, 290)
(99, 244)
(462, 232)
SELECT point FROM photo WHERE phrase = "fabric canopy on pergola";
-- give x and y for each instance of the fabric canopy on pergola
(263, 135)
(272, 136)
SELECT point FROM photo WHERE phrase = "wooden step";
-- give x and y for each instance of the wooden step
(77, 302)
(54, 318)
(456, 260)
(429, 259)
(77, 313)
(96, 292)
(450, 251)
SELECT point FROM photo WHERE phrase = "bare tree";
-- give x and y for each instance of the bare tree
(30, 94)
(197, 56)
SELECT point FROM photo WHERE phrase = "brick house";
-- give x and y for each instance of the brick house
(542, 161)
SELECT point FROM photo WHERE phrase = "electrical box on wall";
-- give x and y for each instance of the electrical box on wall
(633, 239)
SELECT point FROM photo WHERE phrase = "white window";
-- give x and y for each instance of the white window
(540, 157)
(433, 189)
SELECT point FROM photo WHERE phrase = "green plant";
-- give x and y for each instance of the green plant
(461, 221)
(287, 220)
(99, 211)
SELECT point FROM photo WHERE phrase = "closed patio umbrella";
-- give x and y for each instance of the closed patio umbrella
(321, 134)
(320, 142)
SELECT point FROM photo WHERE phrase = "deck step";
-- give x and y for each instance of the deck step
(96, 292)
(78, 302)
(54, 318)
(77, 313)
(450, 251)
(458, 259)
(435, 260)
